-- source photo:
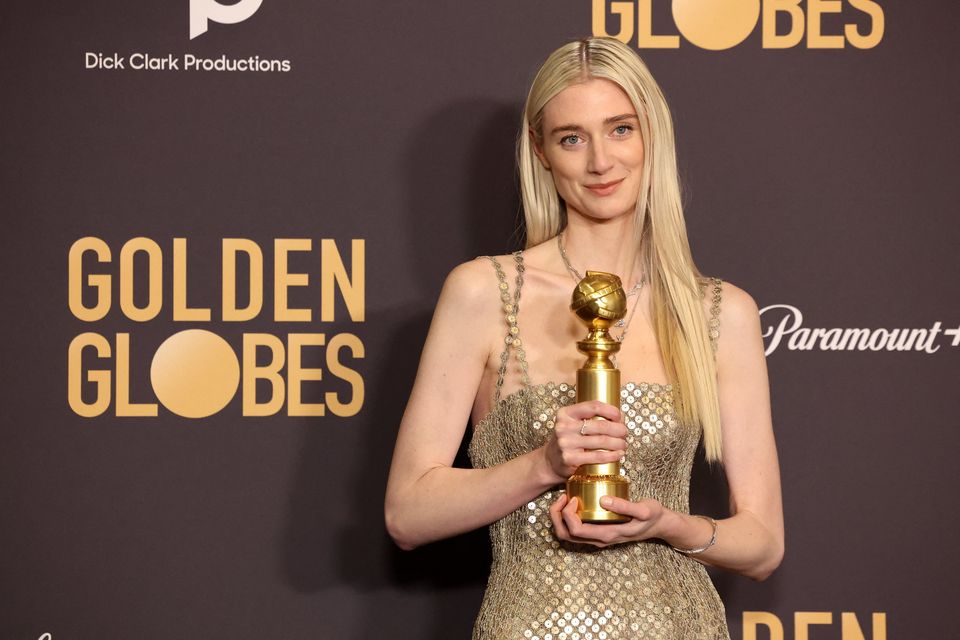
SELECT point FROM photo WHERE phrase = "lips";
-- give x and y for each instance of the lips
(604, 188)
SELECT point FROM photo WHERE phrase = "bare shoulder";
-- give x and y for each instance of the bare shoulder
(471, 297)
(739, 314)
(737, 307)
(466, 319)
(472, 285)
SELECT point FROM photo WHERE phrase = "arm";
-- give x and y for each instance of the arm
(750, 541)
(427, 499)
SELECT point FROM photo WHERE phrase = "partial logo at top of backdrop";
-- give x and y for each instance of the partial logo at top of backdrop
(723, 24)
(202, 13)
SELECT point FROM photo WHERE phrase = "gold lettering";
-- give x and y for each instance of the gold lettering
(282, 279)
(345, 410)
(155, 279)
(231, 247)
(850, 628)
(815, 38)
(333, 274)
(751, 619)
(269, 372)
(645, 36)
(296, 374)
(100, 377)
(802, 620)
(180, 310)
(101, 282)
(124, 407)
(624, 9)
(875, 35)
(790, 39)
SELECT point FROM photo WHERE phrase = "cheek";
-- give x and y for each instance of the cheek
(565, 178)
(565, 187)
(638, 157)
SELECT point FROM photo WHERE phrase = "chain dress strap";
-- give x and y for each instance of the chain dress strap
(713, 322)
(511, 307)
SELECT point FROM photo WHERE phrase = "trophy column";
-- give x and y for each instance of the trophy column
(598, 300)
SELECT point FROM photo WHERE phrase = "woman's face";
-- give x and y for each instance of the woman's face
(592, 146)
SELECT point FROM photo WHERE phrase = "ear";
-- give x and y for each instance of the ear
(537, 149)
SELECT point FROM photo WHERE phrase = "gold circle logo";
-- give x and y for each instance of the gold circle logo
(716, 24)
(195, 373)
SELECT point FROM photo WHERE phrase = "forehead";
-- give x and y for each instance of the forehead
(587, 103)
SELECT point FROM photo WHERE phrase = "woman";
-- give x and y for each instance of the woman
(600, 191)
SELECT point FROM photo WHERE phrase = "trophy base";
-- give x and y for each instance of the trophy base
(588, 490)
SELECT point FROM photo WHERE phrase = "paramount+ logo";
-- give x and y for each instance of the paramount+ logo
(722, 24)
(202, 12)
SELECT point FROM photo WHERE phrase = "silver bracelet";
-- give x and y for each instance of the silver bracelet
(713, 539)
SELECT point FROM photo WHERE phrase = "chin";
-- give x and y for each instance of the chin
(607, 214)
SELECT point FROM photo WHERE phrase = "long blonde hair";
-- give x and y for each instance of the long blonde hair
(678, 317)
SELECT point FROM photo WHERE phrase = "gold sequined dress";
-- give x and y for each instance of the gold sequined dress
(543, 589)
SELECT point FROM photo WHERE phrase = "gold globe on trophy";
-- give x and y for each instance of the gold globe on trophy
(598, 301)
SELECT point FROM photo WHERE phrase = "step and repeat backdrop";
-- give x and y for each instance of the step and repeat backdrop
(225, 227)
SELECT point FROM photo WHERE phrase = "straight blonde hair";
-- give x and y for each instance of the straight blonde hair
(678, 317)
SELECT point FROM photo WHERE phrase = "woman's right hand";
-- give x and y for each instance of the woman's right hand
(578, 439)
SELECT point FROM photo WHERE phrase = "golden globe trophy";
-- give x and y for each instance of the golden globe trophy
(599, 301)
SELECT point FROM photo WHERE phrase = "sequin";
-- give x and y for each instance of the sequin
(542, 589)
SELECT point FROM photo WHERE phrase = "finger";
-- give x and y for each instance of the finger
(574, 529)
(610, 443)
(600, 533)
(597, 456)
(610, 428)
(570, 517)
(559, 503)
(591, 409)
(567, 425)
(617, 430)
(581, 457)
(559, 528)
(584, 533)
(636, 510)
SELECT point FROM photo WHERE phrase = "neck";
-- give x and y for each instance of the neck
(610, 246)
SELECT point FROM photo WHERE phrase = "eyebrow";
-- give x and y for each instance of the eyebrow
(577, 127)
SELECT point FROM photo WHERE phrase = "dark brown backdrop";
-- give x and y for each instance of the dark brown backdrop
(820, 179)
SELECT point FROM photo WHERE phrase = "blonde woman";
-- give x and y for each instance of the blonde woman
(600, 191)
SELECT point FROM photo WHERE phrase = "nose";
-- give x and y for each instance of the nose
(599, 161)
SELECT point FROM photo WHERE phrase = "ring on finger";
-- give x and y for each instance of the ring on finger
(583, 425)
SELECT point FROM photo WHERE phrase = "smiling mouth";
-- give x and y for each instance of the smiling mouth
(605, 188)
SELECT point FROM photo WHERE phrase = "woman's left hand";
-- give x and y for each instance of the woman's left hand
(645, 518)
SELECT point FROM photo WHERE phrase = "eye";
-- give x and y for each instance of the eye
(570, 140)
(623, 129)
